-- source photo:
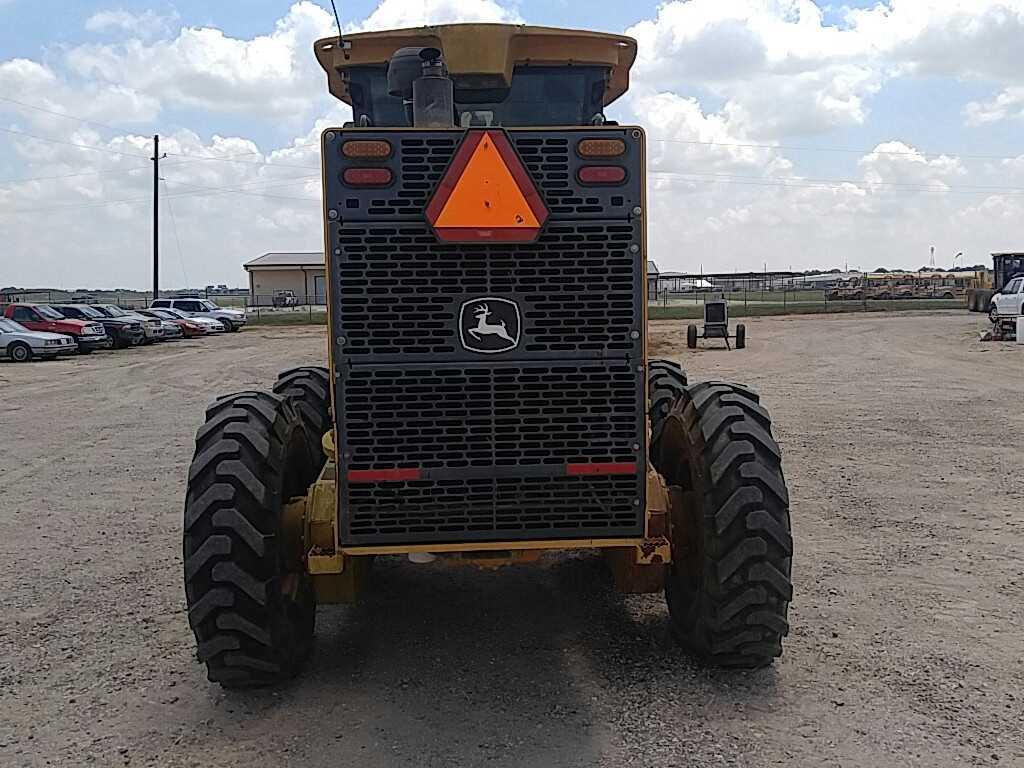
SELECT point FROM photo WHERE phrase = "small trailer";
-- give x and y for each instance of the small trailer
(716, 326)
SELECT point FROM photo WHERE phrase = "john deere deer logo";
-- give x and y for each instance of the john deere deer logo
(489, 325)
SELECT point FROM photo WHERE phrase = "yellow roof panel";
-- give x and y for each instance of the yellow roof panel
(485, 50)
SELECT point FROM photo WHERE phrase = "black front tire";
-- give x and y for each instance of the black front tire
(666, 381)
(691, 336)
(251, 603)
(309, 390)
(741, 336)
(729, 586)
(19, 352)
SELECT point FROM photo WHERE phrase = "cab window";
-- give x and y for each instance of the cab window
(25, 314)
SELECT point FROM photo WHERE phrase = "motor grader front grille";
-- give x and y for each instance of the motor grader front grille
(399, 290)
(439, 442)
(506, 508)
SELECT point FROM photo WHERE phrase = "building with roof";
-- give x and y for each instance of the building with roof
(300, 273)
(652, 279)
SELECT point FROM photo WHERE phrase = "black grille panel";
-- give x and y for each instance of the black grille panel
(400, 290)
(458, 417)
(420, 160)
(493, 508)
(441, 440)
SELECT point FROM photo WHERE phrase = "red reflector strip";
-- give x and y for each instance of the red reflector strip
(621, 468)
(382, 475)
(498, 235)
(602, 174)
(367, 177)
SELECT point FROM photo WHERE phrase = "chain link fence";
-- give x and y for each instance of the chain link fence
(785, 293)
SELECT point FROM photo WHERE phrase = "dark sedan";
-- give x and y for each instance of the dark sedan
(123, 332)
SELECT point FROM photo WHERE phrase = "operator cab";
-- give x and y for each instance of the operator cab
(502, 76)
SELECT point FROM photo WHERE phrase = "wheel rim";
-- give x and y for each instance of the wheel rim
(20, 354)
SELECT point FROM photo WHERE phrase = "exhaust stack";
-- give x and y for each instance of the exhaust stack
(420, 77)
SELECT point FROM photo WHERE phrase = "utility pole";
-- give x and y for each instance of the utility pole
(156, 215)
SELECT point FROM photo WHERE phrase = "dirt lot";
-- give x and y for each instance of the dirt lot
(907, 646)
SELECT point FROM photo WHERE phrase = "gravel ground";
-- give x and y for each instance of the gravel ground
(906, 647)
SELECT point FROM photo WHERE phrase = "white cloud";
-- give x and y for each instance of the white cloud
(397, 14)
(204, 68)
(146, 25)
(722, 87)
(896, 163)
(1008, 104)
(778, 60)
(42, 87)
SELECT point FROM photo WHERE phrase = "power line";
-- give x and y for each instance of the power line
(70, 176)
(65, 115)
(271, 184)
(203, 192)
(923, 186)
(23, 134)
(174, 226)
(692, 142)
(754, 181)
(231, 159)
(847, 150)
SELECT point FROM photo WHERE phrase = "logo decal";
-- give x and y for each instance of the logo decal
(489, 325)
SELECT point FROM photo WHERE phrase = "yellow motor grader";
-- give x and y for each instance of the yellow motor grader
(488, 396)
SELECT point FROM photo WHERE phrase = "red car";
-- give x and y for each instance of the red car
(189, 328)
(40, 317)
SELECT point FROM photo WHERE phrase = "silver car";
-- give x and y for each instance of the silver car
(20, 344)
(211, 325)
(231, 319)
(168, 331)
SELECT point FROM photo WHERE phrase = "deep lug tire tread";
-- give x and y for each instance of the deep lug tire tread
(666, 381)
(718, 439)
(248, 632)
(309, 390)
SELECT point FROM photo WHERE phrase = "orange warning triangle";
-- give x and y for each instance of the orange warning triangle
(486, 194)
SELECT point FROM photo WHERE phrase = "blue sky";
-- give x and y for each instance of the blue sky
(854, 133)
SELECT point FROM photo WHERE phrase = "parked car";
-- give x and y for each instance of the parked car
(232, 319)
(88, 335)
(190, 327)
(20, 344)
(123, 331)
(211, 325)
(152, 329)
(170, 331)
(284, 299)
(1008, 304)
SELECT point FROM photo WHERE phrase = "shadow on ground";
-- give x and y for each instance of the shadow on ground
(452, 666)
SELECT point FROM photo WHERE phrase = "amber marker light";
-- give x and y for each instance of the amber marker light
(601, 148)
(362, 149)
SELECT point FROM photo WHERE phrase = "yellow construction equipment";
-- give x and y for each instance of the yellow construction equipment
(488, 396)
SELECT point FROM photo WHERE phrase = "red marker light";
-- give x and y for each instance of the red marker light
(615, 468)
(602, 174)
(383, 475)
(367, 177)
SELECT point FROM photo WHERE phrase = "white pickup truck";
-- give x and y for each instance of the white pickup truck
(1008, 304)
